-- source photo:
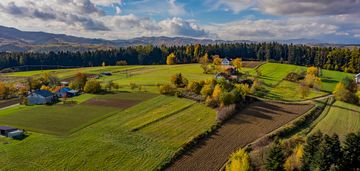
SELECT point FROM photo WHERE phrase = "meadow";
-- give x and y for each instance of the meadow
(342, 118)
(272, 75)
(111, 142)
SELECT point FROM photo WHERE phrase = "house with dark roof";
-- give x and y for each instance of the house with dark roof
(225, 62)
(10, 132)
(41, 97)
(67, 91)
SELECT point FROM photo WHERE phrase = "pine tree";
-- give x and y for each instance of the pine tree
(276, 159)
(310, 149)
(352, 151)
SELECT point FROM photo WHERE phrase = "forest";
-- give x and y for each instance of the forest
(341, 59)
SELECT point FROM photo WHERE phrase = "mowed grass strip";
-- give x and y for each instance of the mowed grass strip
(160, 112)
(109, 144)
(342, 118)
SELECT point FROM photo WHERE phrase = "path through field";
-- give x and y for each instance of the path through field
(248, 125)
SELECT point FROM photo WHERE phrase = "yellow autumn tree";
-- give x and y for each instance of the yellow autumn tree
(293, 162)
(44, 87)
(216, 60)
(237, 63)
(170, 60)
(239, 161)
(341, 93)
(312, 71)
(217, 91)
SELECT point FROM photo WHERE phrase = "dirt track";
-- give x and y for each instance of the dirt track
(8, 103)
(248, 125)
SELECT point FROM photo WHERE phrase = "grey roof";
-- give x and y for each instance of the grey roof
(6, 128)
(358, 74)
(44, 93)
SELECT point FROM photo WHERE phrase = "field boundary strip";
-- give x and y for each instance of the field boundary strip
(161, 118)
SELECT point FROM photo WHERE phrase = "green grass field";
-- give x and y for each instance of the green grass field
(342, 118)
(60, 119)
(274, 73)
(112, 144)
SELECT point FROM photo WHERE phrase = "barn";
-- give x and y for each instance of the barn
(10, 132)
(41, 97)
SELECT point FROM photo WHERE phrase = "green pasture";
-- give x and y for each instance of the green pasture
(111, 143)
(63, 119)
(342, 118)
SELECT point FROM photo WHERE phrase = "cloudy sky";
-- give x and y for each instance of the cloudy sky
(325, 20)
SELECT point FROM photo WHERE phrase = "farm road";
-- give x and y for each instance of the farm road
(8, 103)
(248, 125)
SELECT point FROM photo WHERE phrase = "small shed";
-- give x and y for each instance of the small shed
(41, 97)
(10, 132)
(106, 73)
(357, 78)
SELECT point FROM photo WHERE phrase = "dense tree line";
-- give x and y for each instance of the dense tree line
(328, 58)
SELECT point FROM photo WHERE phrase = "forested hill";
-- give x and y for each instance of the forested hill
(330, 58)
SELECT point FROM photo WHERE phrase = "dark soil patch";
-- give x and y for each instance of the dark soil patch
(251, 64)
(7, 103)
(73, 77)
(251, 123)
(117, 103)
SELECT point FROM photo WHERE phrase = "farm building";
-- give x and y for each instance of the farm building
(41, 97)
(106, 73)
(67, 91)
(357, 78)
(10, 132)
(225, 62)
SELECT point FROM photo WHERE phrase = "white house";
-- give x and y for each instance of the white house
(225, 62)
(357, 78)
(41, 97)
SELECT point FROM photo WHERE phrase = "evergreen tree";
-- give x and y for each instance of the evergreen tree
(276, 159)
(352, 151)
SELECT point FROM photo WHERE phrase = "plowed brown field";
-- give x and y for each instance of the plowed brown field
(248, 125)
(251, 64)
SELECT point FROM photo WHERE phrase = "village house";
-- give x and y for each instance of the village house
(357, 78)
(225, 62)
(10, 132)
(41, 97)
(67, 91)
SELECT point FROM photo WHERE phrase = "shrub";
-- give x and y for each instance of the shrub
(227, 98)
(179, 81)
(92, 86)
(211, 102)
(195, 86)
(170, 59)
(293, 162)
(121, 63)
(239, 161)
(217, 91)
(206, 90)
(133, 86)
(167, 89)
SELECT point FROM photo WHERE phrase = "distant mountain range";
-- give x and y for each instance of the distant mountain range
(14, 40)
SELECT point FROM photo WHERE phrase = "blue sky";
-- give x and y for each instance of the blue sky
(330, 21)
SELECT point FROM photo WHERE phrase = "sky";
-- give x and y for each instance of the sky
(331, 21)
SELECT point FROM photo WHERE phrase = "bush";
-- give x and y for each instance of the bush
(179, 81)
(276, 158)
(195, 86)
(239, 161)
(92, 86)
(133, 86)
(227, 98)
(211, 102)
(206, 90)
(167, 89)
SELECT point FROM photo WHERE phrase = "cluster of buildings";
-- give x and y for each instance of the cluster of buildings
(39, 97)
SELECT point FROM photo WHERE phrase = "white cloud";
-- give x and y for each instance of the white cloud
(309, 7)
(176, 9)
(234, 5)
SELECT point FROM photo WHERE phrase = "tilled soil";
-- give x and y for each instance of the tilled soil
(8, 103)
(251, 123)
(251, 64)
(118, 103)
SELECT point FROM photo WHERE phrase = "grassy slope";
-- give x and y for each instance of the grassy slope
(341, 119)
(109, 144)
(273, 73)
